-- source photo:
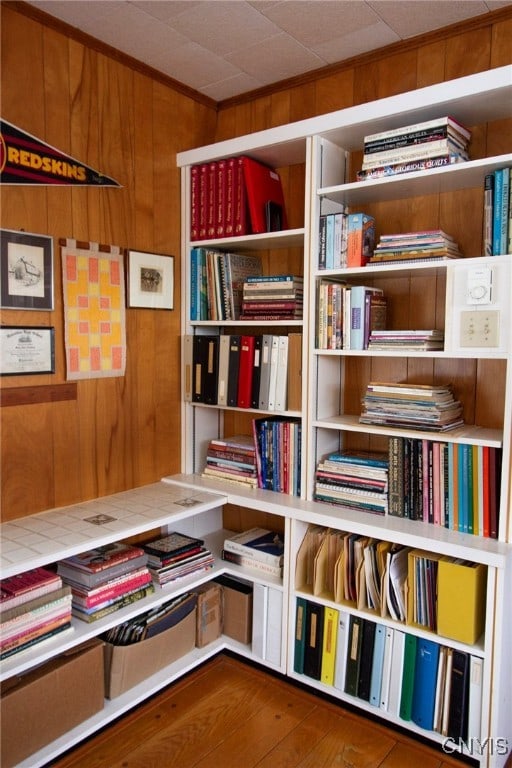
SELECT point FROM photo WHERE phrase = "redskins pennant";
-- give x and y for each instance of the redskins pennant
(24, 159)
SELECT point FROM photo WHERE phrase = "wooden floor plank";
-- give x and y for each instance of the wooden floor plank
(230, 714)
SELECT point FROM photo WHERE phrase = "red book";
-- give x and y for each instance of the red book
(117, 588)
(494, 491)
(18, 589)
(203, 199)
(240, 200)
(263, 186)
(211, 200)
(486, 488)
(245, 371)
(194, 202)
(231, 176)
(102, 558)
(220, 224)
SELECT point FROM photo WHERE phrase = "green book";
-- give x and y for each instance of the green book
(408, 677)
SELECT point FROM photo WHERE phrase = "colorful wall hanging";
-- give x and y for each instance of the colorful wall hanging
(94, 310)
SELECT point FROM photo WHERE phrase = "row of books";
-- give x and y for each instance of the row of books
(273, 297)
(244, 371)
(216, 282)
(354, 479)
(34, 606)
(175, 556)
(404, 247)
(418, 339)
(432, 408)
(235, 196)
(456, 486)
(387, 579)
(278, 454)
(347, 314)
(105, 579)
(257, 548)
(345, 240)
(413, 678)
(420, 146)
(497, 233)
(232, 459)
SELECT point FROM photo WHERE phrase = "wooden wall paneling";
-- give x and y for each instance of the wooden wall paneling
(397, 73)
(458, 63)
(280, 108)
(303, 101)
(335, 92)
(501, 35)
(261, 116)
(490, 393)
(143, 162)
(430, 63)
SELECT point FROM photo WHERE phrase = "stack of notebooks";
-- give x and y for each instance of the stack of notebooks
(358, 480)
(105, 579)
(414, 406)
(273, 297)
(421, 146)
(429, 245)
(34, 605)
(232, 459)
(257, 548)
(422, 340)
(177, 555)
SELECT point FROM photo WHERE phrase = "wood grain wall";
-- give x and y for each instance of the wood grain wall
(123, 432)
(119, 432)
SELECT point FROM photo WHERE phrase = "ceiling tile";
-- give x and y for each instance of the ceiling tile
(312, 23)
(345, 46)
(164, 11)
(275, 59)
(194, 65)
(232, 86)
(415, 17)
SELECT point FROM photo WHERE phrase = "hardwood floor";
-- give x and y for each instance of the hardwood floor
(229, 714)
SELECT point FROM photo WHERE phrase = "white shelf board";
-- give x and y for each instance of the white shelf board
(468, 434)
(449, 178)
(468, 354)
(286, 238)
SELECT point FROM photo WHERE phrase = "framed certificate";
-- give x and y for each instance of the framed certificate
(26, 350)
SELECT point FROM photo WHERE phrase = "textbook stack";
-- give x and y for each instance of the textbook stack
(257, 548)
(416, 406)
(272, 297)
(354, 479)
(175, 556)
(415, 246)
(105, 579)
(421, 146)
(233, 460)
(34, 605)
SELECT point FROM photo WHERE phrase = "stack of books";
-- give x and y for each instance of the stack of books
(428, 245)
(34, 606)
(235, 196)
(422, 340)
(278, 454)
(105, 579)
(497, 232)
(347, 314)
(257, 548)
(216, 282)
(421, 146)
(432, 408)
(176, 556)
(272, 297)
(232, 459)
(354, 479)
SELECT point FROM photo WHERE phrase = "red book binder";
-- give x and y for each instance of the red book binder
(230, 196)
(221, 198)
(211, 199)
(245, 371)
(263, 186)
(240, 200)
(194, 202)
(203, 199)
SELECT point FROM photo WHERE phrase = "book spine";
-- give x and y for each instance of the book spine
(231, 182)
(421, 136)
(425, 125)
(103, 596)
(504, 216)
(322, 234)
(221, 178)
(127, 599)
(395, 169)
(488, 214)
(240, 223)
(256, 554)
(408, 154)
(194, 202)
(250, 562)
(203, 200)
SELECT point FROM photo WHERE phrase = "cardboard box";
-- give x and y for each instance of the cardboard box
(127, 665)
(209, 613)
(461, 588)
(237, 608)
(43, 704)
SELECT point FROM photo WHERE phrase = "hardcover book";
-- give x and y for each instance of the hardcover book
(263, 186)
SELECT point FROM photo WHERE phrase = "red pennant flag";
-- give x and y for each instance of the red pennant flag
(24, 159)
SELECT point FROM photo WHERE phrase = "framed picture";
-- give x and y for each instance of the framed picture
(26, 350)
(150, 280)
(26, 270)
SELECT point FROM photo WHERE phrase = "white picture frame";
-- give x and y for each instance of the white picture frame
(150, 280)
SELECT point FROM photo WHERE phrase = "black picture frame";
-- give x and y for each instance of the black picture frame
(26, 270)
(26, 350)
